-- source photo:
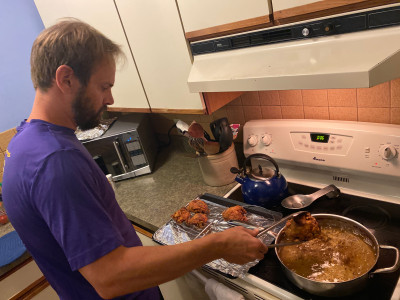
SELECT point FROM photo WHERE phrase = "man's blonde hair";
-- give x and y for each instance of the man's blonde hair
(73, 43)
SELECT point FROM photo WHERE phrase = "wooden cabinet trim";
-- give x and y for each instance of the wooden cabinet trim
(142, 231)
(31, 290)
(125, 109)
(230, 28)
(178, 111)
(324, 8)
(16, 268)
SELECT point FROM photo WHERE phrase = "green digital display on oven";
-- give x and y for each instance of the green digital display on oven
(319, 137)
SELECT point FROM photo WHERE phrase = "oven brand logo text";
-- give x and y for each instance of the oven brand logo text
(319, 159)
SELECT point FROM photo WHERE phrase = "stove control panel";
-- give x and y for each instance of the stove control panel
(343, 145)
(321, 143)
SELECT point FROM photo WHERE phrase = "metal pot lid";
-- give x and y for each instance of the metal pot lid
(262, 173)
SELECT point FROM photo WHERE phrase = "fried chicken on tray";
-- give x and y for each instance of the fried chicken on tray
(181, 215)
(199, 220)
(235, 213)
(302, 228)
(195, 214)
(198, 206)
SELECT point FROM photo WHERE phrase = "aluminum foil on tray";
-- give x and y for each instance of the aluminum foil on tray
(173, 233)
(93, 133)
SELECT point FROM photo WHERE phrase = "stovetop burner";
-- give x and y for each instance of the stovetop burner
(373, 217)
(382, 218)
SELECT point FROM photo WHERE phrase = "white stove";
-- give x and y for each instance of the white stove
(361, 159)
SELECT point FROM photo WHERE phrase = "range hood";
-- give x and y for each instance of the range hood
(359, 59)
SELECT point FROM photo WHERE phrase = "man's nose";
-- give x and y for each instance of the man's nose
(109, 100)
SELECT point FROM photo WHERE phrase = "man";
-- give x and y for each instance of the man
(60, 202)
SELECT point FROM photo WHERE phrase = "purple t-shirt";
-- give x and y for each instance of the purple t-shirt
(63, 207)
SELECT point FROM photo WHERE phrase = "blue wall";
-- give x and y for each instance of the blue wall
(20, 23)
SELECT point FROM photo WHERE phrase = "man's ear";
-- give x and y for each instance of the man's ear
(65, 79)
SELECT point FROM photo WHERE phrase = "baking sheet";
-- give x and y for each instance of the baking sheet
(173, 233)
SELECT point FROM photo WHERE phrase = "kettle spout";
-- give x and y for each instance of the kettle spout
(239, 179)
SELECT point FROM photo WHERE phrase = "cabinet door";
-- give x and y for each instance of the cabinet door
(102, 15)
(161, 53)
(288, 11)
(210, 18)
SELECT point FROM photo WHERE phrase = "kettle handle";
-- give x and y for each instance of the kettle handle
(264, 156)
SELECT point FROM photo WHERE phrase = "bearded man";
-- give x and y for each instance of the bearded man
(58, 199)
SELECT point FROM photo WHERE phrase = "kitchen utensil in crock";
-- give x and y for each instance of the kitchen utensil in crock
(182, 127)
(222, 133)
(344, 288)
(197, 144)
(261, 186)
(211, 147)
(215, 128)
(197, 131)
(300, 201)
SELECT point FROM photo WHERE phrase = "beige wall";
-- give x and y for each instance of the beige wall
(379, 104)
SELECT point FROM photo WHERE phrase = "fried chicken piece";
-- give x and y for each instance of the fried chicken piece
(198, 206)
(237, 213)
(302, 228)
(199, 220)
(181, 215)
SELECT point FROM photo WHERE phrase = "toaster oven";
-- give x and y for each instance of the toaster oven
(127, 149)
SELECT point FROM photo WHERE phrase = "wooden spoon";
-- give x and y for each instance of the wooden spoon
(196, 130)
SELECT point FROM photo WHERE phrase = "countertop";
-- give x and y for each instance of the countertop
(150, 200)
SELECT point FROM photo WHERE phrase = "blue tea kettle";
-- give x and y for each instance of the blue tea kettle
(261, 186)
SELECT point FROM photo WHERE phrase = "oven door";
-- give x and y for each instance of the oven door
(111, 155)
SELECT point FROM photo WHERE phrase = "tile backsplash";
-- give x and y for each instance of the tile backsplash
(379, 104)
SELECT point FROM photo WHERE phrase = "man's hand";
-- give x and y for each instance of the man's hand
(241, 246)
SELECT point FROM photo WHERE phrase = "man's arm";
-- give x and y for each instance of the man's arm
(126, 270)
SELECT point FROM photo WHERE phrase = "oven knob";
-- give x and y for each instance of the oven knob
(387, 151)
(266, 139)
(252, 140)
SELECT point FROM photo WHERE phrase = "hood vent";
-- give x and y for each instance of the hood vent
(260, 39)
(350, 51)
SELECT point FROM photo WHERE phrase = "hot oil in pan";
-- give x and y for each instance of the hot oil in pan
(336, 255)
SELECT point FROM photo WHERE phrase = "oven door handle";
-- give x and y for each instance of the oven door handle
(116, 146)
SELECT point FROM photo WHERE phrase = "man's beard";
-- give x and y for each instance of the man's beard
(84, 115)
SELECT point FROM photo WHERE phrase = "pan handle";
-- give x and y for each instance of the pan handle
(389, 269)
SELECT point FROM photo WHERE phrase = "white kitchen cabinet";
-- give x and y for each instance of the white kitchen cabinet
(161, 53)
(286, 4)
(102, 14)
(158, 60)
(213, 16)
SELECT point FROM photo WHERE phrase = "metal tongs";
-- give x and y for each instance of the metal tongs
(295, 215)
